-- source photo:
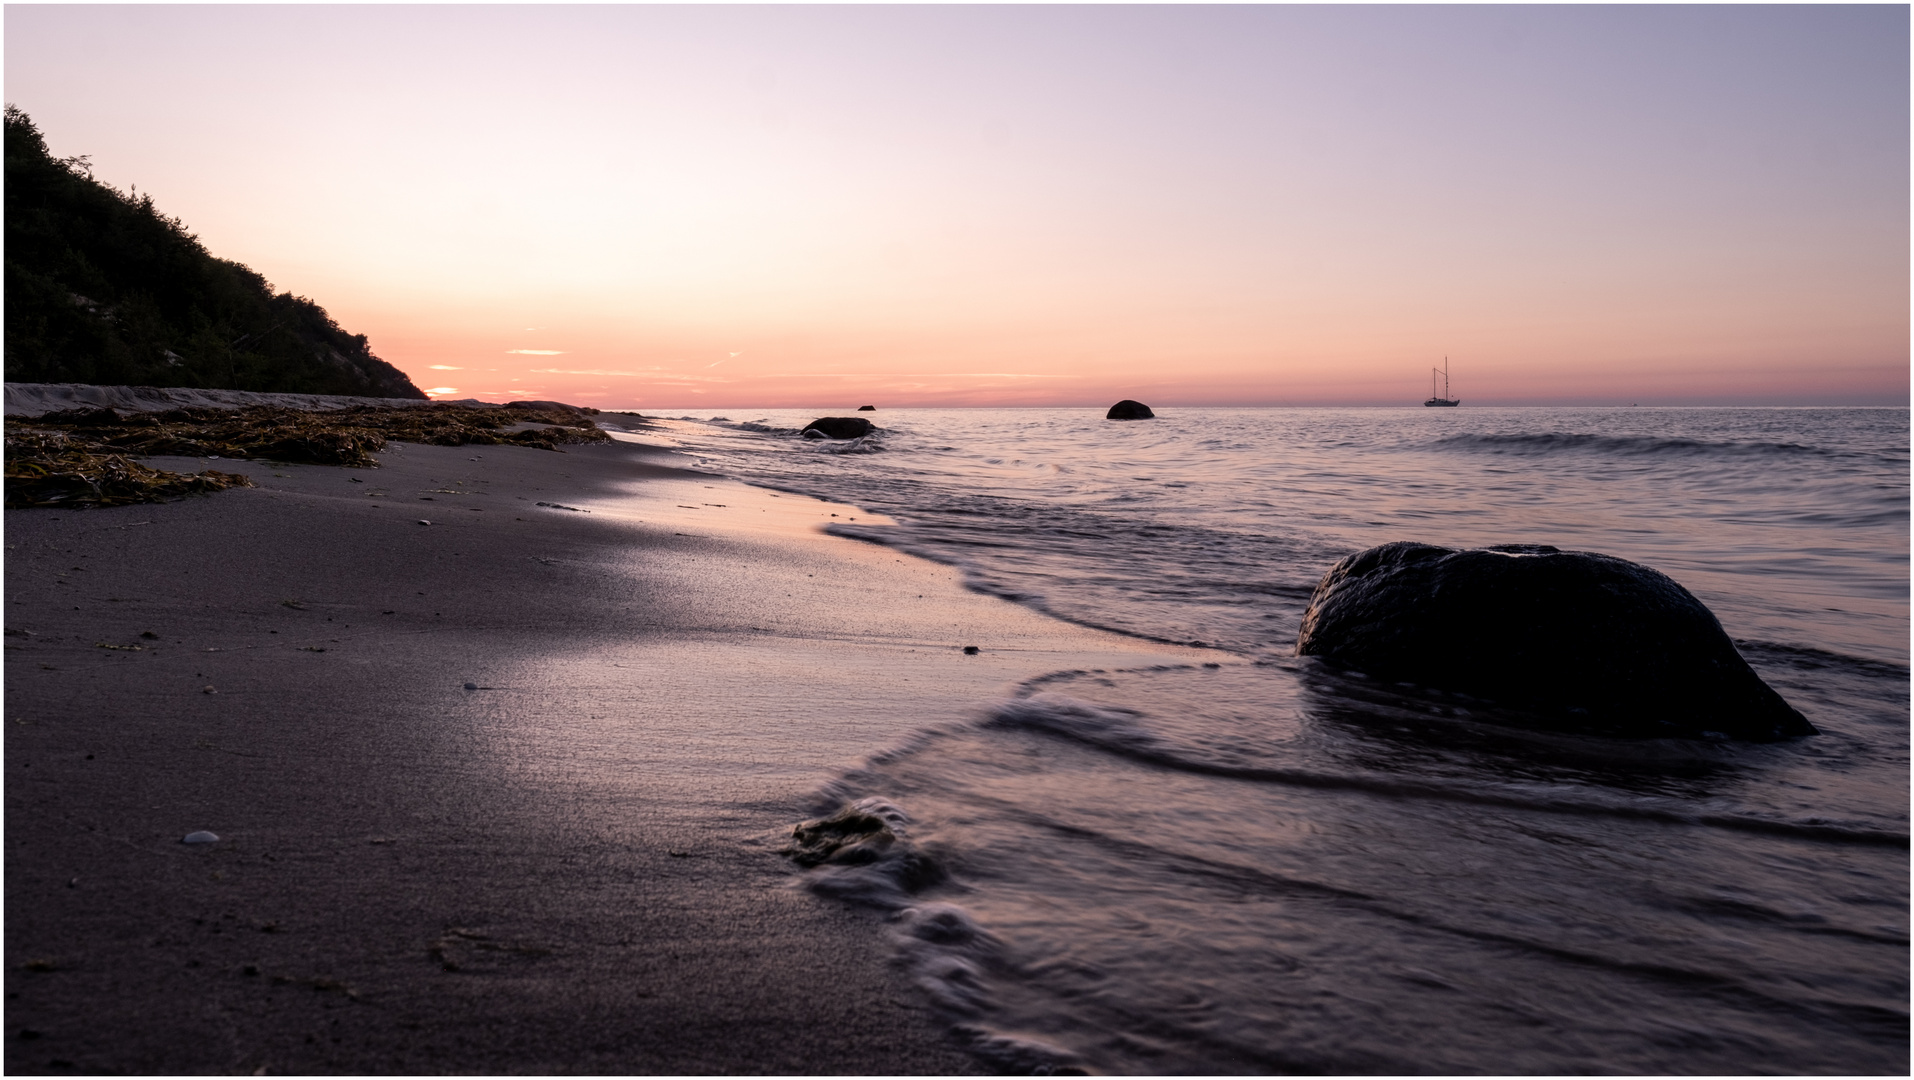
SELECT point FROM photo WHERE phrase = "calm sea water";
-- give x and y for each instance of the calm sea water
(1254, 865)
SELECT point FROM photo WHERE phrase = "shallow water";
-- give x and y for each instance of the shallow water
(1267, 866)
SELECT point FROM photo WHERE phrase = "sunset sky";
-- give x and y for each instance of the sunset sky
(714, 206)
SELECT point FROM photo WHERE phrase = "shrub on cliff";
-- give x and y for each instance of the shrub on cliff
(103, 288)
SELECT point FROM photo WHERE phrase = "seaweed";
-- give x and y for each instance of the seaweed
(73, 477)
(80, 457)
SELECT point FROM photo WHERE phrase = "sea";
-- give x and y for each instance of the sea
(1248, 863)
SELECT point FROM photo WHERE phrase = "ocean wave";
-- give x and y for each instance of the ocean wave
(867, 444)
(1224, 541)
(942, 945)
(862, 854)
(1174, 583)
(1810, 659)
(1201, 749)
(961, 967)
(1020, 1055)
(1270, 866)
(872, 443)
(1562, 441)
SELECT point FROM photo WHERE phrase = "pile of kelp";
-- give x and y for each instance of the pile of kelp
(44, 469)
(80, 457)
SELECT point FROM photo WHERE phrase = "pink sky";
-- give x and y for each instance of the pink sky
(732, 206)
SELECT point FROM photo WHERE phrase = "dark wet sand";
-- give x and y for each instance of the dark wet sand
(573, 869)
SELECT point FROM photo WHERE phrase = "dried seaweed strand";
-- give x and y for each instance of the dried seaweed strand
(81, 457)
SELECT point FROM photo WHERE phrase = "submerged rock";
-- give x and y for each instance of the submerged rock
(865, 834)
(852, 835)
(839, 427)
(1580, 641)
(1129, 410)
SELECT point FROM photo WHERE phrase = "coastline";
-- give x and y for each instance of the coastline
(571, 869)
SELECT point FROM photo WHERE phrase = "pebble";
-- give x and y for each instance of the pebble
(471, 686)
(970, 650)
(422, 521)
(200, 837)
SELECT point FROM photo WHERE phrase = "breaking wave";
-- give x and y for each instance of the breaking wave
(1553, 442)
(1262, 864)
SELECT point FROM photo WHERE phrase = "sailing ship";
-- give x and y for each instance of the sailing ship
(1444, 401)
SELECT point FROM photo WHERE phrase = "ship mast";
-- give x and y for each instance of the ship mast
(1440, 397)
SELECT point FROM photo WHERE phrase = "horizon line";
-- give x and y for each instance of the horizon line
(1368, 405)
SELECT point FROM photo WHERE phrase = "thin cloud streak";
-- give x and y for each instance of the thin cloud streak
(657, 373)
(663, 376)
(911, 375)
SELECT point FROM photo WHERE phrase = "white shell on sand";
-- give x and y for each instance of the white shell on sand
(200, 837)
(422, 521)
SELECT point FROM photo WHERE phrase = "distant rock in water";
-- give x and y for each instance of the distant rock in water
(867, 408)
(1584, 642)
(838, 427)
(1129, 410)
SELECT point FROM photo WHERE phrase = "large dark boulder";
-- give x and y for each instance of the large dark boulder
(1573, 640)
(838, 427)
(1129, 410)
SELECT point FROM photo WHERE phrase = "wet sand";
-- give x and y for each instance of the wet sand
(570, 869)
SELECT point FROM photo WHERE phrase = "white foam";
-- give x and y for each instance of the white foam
(1104, 725)
(948, 953)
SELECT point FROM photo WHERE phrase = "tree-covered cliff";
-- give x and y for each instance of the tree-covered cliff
(103, 288)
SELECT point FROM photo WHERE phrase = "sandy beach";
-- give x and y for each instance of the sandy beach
(571, 868)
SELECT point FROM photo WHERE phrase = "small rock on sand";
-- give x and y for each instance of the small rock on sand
(200, 837)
